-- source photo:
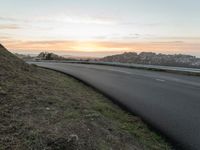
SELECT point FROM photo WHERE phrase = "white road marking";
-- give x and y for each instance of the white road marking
(160, 80)
(118, 71)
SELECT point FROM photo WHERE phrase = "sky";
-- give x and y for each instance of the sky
(100, 27)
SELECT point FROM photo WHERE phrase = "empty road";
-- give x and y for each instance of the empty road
(169, 102)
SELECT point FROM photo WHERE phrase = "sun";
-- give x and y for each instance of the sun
(87, 46)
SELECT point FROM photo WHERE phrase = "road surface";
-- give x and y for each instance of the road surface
(169, 102)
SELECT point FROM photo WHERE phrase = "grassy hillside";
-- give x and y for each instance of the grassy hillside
(42, 109)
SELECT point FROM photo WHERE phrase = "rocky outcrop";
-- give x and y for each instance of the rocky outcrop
(155, 59)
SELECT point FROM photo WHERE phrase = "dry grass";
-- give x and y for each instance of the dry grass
(43, 109)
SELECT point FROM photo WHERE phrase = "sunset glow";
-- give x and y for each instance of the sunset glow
(100, 26)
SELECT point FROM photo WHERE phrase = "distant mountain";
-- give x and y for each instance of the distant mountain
(24, 57)
(80, 58)
(150, 58)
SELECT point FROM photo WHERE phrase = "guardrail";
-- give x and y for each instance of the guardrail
(181, 70)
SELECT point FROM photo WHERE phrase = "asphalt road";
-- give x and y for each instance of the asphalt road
(169, 102)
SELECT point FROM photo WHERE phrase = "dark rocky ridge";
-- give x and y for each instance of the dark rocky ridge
(150, 58)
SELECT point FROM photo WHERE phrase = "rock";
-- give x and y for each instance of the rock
(73, 138)
(47, 108)
(2, 92)
(62, 143)
(58, 144)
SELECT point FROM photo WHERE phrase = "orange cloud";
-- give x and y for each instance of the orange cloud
(104, 46)
(9, 26)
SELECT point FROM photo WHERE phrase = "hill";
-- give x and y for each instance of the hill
(9, 62)
(150, 58)
(42, 109)
(24, 57)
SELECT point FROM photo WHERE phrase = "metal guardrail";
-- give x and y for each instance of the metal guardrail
(183, 70)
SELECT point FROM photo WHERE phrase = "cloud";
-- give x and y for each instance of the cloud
(9, 26)
(117, 37)
(38, 45)
(100, 45)
(139, 23)
(169, 42)
(61, 19)
(4, 38)
(82, 20)
(8, 19)
(131, 36)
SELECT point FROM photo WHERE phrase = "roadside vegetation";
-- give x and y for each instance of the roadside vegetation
(42, 109)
